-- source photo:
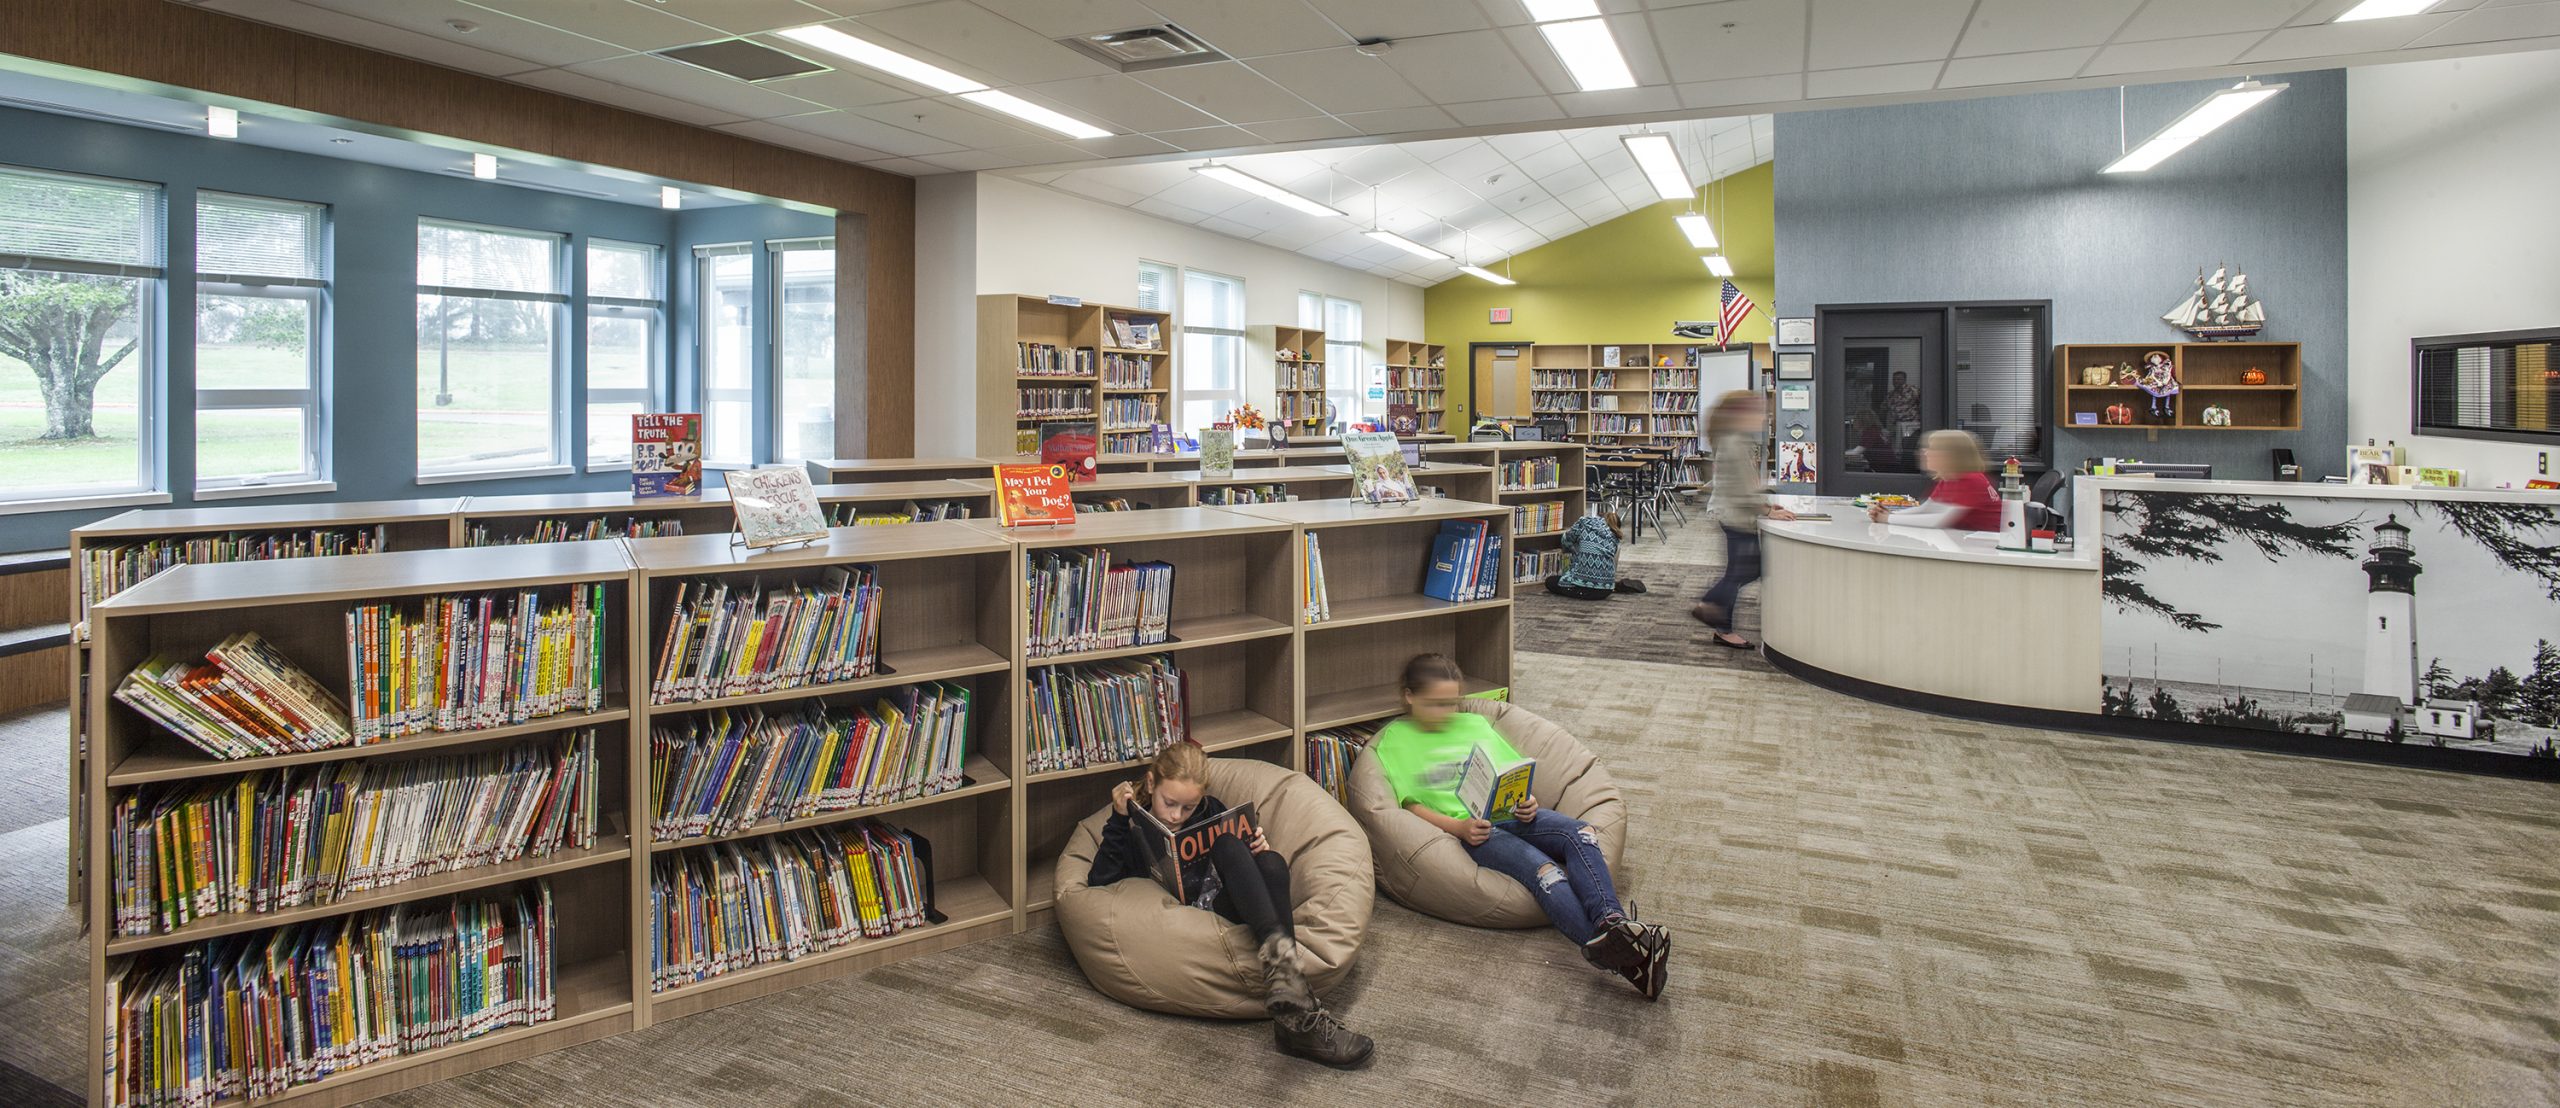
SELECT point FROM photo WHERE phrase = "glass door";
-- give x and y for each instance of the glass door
(1880, 375)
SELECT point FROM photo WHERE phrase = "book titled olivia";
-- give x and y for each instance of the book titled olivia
(1033, 496)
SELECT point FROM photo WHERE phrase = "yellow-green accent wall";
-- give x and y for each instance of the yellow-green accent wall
(1622, 282)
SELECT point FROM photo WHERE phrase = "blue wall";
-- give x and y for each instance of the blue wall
(371, 368)
(2001, 198)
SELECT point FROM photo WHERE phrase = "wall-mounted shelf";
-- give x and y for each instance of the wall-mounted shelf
(2210, 374)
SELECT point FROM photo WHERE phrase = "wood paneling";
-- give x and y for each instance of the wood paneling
(188, 48)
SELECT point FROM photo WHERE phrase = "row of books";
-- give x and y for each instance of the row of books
(1111, 504)
(1294, 406)
(1545, 515)
(284, 838)
(467, 663)
(1246, 494)
(1536, 565)
(1617, 425)
(1128, 371)
(1683, 379)
(1409, 378)
(1555, 379)
(255, 1015)
(1466, 558)
(1105, 712)
(1419, 400)
(1318, 602)
(726, 639)
(1299, 375)
(1524, 474)
(1675, 425)
(1132, 413)
(728, 771)
(110, 569)
(1675, 402)
(1049, 403)
(1331, 752)
(1132, 442)
(246, 699)
(733, 906)
(570, 530)
(1137, 332)
(1040, 359)
(1603, 380)
(1077, 600)
(844, 514)
(1558, 402)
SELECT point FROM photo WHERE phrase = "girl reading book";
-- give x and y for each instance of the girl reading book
(1243, 881)
(1556, 856)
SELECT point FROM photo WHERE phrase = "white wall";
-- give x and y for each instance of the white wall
(2451, 223)
(946, 314)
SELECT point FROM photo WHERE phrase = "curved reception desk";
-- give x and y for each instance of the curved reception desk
(2394, 624)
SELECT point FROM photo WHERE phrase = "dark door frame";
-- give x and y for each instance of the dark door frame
(1827, 389)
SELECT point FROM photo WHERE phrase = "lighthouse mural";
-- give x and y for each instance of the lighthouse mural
(2391, 572)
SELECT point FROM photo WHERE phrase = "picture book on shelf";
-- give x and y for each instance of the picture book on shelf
(1033, 496)
(666, 455)
(1172, 851)
(1404, 419)
(1217, 451)
(776, 505)
(1492, 789)
(1071, 445)
(1377, 467)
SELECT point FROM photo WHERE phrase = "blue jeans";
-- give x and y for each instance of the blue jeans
(1741, 567)
(1557, 858)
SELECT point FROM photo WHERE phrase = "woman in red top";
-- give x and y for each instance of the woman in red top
(1962, 499)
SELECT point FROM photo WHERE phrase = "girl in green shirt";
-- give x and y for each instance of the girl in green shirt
(1555, 856)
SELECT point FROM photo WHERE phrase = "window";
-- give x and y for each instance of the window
(80, 262)
(2504, 385)
(490, 317)
(1891, 374)
(1345, 359)
(725, 297)
(1211, 381)
(261, 283)
(625, 307)
(804, 351)
(1156, 285)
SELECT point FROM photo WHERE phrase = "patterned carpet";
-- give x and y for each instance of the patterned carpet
(1872, 907)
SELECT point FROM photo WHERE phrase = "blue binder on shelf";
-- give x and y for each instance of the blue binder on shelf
(1443, 577)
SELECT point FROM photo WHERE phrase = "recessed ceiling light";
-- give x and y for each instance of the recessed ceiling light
(1232, 177)
(222, 122)
(1589, 53)
(1661, 165)
(2383, 9)
(1027, 111)
(881, 58)
(1701, 236)
(2222, 107)
(670, 196)
(484, 166)
(1407, 245)
(1487, 274)
(1549, 11)
(1719, 265)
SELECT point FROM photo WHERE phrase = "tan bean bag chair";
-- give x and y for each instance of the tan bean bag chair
(1428, 870)
(1140, 948)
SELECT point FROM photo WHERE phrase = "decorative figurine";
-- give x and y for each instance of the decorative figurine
(2160, 379)
(2120, 414)
(2253, 376)
(2097, 375)
(2126, 377)
(2219, 309)
(2215, 415)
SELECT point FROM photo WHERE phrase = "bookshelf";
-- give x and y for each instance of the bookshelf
(2210, 374)
(947, 590)
(1137, 378)
(1297, 376)
(1303, 482)
(865, 471)
(1450, 479)
(1126, 463)
(1618, 394)
(1418, 374)
(844, 503)
(505, 520)
(1027, 343)
(1540, 473)
(1140, 491)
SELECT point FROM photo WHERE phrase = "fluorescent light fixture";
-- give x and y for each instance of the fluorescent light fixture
(880, 57)
(484, 166)
(1661, 165)
(1029, 112)
(1232, 177)
(1487, 274)
(2384, 9)
(1701, 236)
(1549, 11)
(222, 122)
(670, 197)
(1719, 265)
(1407, 245)
(2222, 107)
(1589, 54)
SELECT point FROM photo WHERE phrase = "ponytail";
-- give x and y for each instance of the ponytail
(1182, 761)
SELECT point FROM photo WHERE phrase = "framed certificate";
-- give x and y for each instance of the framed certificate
(1795, 367)
(1795, 332)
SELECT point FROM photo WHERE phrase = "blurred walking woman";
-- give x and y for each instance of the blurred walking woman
(1741, 490)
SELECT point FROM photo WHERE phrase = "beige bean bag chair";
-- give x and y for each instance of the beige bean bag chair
(1430, 871)
(1140, 948)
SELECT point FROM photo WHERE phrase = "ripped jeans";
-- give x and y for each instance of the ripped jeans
(1558, 859)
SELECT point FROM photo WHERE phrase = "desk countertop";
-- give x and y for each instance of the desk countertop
(1849, 529)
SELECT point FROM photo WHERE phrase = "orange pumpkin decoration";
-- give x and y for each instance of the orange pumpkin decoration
(2253, 376)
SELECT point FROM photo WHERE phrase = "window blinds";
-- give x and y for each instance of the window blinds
(2506, 389)
(1996, 369)
(80, 224)
(466, 260)
(254, 240)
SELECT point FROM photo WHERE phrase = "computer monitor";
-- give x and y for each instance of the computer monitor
(1412, 454)
(1529, 432)
(2182, 471)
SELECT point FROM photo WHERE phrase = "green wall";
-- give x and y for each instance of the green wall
(1623, 281)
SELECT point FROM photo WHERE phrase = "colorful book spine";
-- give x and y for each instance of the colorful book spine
(110, 569)
(1040, 359)
(1529, 474)
(733, 906)
(725, 639)
(1052, 403)
(720, 773)
(1545, 515)
(1079, 601)
(1104, 713)
(246, 700)
(1247, 494)
(469, 663)
(572, 530)
(1536, 565)
(1331, 752)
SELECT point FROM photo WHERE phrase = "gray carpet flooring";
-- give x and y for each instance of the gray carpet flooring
(1872, 907)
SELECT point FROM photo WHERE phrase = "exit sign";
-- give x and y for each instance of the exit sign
(1500, 315)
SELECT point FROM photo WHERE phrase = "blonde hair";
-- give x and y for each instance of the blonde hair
(1728, 415)
(1957, 450)
(1183, 761)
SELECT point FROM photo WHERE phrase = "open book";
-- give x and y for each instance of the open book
(1170, 851)
(1492, 790)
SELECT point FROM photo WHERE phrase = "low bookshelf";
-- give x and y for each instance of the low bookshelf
(573, 516)
(906, 501)
(1256, 483)
(866, 471)
(1123, 463)
(1544, 480)
(1418, 374)
(1126, 492)
(1447, 479)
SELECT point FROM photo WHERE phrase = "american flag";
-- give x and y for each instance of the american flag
(1737, 307)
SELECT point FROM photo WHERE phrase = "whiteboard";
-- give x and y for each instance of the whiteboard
(1721, 372)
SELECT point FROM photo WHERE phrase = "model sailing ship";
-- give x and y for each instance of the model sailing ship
(2219, 309)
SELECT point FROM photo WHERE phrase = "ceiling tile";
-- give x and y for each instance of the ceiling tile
(1543, 162)
(1872, 81)
(865, 131)
(696, 86)
(2346, 38)
(1205, 196)
(1624, 101)
(1095, 185)
(997, 50)
(949, 121)
(1559, 226)
(1068, 18)
(1516, 147)
(1397, 121)
(1208, 138)
(1254, 27)
(1377, 165)
(906, 167)
(2017, 26)
(605, 92)
(1474, 65)
(1490, 113)
(1578, 200)
(2171, 54)
(1567, 178)
(1304, 130)
(1857, 33)
(1119, 100)
(637, 26)
(496, 32)
(741, 17)
(1113, 146)
(2008, 69)
(433, 49)
(2165, 19)
(1772, 89)
(1341, 81)
(2496, 24)
(1540, 212)
(1300, 236)
(1470, 161)
(1401, 19)
(765, 130)
(1175, 212)
(974, 161)
(1594, 142)
(1767, 37)
(1230, 92)
(841, 88)
(1042, 178)
(1230, 227)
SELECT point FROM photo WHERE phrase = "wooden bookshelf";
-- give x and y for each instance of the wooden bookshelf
(1141, 490)
(1137, 381)
(1418, 374)
(1126, 463)
(867, 471)
(2210, 374)
(1450, 479)
(1297, 375)
(1304, 482)
(843, 503)
(1569, 487)
(504, 520)
(1016, 336)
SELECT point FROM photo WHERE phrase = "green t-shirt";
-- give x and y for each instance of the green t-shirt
(1422, 766)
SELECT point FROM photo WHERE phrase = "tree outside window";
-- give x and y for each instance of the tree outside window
(80, 272)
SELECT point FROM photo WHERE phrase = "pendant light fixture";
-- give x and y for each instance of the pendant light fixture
(1467, 244)
(1395, 240)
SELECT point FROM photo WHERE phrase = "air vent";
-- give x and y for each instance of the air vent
(1143, 48)
(746, 61)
